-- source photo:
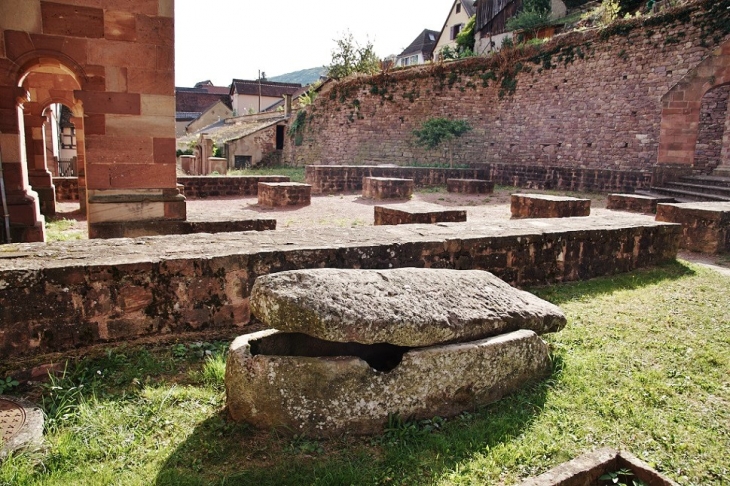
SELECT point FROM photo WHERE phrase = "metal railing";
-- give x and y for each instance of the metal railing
(67, 168)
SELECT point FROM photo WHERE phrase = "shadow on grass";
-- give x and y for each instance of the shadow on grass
(223, 453)
(559, 294)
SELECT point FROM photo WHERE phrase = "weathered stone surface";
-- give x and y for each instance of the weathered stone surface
(275, 194)
(547, 206)
(404, 307)
(705, 225)
(212, 186)
(588, 468)
(470, 186)
(387, 188)
(635, 203)
(413, 213)
(271, 383)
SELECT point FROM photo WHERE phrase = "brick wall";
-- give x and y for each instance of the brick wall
(67, 189)
(585, 103)
(713, 117)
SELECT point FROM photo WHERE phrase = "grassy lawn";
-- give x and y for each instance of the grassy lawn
(642, 365)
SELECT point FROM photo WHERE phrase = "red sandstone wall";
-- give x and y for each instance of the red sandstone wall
(592, 101)
(713, 119)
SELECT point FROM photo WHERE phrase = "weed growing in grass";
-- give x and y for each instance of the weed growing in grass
(58, 230)
(7, 384)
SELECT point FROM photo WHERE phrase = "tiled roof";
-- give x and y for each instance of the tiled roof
(425, 42)
(469, 7)
(268, 88)
(235, 128)
(195, 100)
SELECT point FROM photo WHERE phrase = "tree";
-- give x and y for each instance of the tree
(436, 131)
(350, 57)
(464, 42)
(535, 14)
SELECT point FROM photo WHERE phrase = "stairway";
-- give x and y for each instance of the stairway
(715, 187)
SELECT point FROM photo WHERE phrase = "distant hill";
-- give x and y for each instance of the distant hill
(305, 76)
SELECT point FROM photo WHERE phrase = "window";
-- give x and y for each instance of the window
(413, 60)
(242, 161)
(404, 61)
(279, 137)
(455, 30)
(458, 7)
(68, 138)
(431, 37)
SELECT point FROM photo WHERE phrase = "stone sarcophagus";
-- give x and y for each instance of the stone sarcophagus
(348, 348)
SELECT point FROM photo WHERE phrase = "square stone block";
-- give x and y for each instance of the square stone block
(705, 225)
(412, 213)
(387, 188)
(635, 203)
(470, 186)
(275, 194)
(546, 206)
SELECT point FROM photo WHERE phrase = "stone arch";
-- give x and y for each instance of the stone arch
(682, 105)
(48, 80)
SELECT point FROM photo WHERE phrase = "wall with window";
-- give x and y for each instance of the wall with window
(456, 21)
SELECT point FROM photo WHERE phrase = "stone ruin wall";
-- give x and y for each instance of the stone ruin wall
(713, 124)
(590, 102)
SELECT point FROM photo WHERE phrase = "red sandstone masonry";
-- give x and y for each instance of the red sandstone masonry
(545, 206)
(635, 203)
(557, 119)
(275, 194)
(212, 186)
(470, 186)
(68, 295)
(387, 188)
(414, 213)
(705, 226)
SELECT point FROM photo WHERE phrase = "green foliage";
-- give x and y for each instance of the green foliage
(217, 151)
(349, 57)
(529, 20)
(296, 127)
(188, 151)
(620, 477)
(436, 131)
(465, 39)
(7, 384)
(308, 98)
(58, 230)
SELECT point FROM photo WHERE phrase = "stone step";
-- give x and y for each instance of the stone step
(707, 180)
(705, 189)
(687, 195)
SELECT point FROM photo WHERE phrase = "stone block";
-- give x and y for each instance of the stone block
(546, 206)
(705, 225)
(158, 105)
(123, 54)
(635, 203)
(148, 176)
(274, 194)
(166, 8)
(120, 25)
(216, 164)
(151, 81)
(120, 149)
(72, 20)
(387, 188)
(470, 186)
(340, 388)
(158, 31)
(165, 150)
(413, 213)
(144, 7)
(110, 103)
(21, 15)
(165, 58)
(136, 126)
(116, 80)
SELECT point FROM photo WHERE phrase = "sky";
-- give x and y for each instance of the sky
(225, 39)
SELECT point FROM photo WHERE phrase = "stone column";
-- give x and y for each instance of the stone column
(723, 170)
(39, 176)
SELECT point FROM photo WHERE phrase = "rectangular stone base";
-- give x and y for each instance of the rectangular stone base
(276, 194)
(705, 225)
(470, 186)
(411, 213)
(546, 206)
(387, 188)
(635, 203)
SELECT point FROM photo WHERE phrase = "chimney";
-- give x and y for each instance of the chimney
(287, 105)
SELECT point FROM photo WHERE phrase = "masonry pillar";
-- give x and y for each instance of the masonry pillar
(39, 176)
(26, 221)
(723, 170)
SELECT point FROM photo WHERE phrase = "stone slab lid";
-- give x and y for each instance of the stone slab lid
(407, 307)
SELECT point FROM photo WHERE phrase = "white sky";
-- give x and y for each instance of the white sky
(225, 39)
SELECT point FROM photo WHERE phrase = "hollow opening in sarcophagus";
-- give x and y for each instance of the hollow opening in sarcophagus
(382, 357)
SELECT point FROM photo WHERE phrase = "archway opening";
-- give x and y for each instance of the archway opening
(712, 148)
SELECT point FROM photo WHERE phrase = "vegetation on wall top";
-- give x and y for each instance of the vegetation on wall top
(349, 57)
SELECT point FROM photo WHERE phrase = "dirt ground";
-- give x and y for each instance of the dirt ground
(351, 210)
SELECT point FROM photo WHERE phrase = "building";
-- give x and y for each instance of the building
(254, 96)
(459, 14)
(420, 50)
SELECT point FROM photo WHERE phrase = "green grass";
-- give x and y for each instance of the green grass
(296, 174)
(642, 365)
(58, 230)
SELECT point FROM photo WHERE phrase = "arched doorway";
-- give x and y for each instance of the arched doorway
(713, 125)
(682, 108)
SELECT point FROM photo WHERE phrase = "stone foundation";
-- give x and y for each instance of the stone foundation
(545, 206)
(212, 186)
(705, 225)
(470, 186)
(387, 188)
(276, 194)
(66, 295)
(411, 213)
(635, 203)
(135, 229)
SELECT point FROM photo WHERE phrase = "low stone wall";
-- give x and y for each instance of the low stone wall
(705, 225)
(415, 213)
(65, 295)
(215, 186)
(470, 186)
(635, 203)
(67, 189)
(329, 179)
(276, 194)
(546, 206)
(387, 188)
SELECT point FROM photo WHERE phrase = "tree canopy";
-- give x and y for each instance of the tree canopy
(349, 57)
